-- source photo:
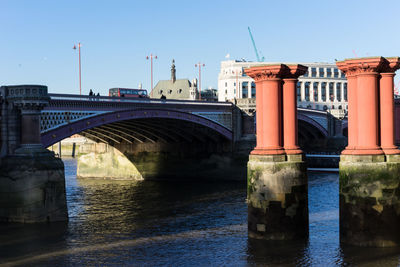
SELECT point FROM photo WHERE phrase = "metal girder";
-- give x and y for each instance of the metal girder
(100, 128)
(165, 128)
(128, 125)
(113, 128)
(123, 127)
(95, 137)
(106, 136)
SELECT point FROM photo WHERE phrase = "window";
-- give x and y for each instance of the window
(328, 72)
(345, 91)
(253, 90)
(338, 92)
(321, 72)
(169, 91)
(298, 89)
(307, 91)
(161, 91)
(179, 91)
(331, 91)
(245, 90)
(336, 73)
(313, 72)
(323, 92)
(315, 91)
(226, 84)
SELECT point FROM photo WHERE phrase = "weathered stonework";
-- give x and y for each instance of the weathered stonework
(107, 163)
(103, 161)
(369, 188)
(32, 189)
(277, 197)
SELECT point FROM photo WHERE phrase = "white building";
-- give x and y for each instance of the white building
(323, 87)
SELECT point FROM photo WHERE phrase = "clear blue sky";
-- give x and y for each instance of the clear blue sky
(37, 37)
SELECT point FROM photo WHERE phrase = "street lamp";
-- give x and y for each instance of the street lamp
(80, 84)
(199, 65)
(151, 70)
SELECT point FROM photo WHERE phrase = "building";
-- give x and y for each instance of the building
(323, 87)
(209, 94)
(175, 89)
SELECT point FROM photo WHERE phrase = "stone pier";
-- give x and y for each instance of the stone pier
(369, 168)
(32, 182)
(277, 177)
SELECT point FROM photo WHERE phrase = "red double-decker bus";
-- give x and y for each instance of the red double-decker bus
(126, 92)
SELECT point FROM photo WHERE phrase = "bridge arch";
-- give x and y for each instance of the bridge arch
(312, 125)
(145, 121)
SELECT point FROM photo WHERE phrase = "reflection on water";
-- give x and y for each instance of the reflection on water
(178, 224)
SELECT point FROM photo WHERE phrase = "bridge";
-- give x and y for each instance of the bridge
(114, 120)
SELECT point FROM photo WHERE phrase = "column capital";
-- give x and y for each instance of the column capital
(294, 71)
(390, 65)
(266, 72)
(275, 71)
(355, 66)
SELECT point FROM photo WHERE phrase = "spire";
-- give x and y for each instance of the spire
(173, 71)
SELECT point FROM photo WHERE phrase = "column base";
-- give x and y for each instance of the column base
(293, 150)
(268, 151)
(391, 150)
(32, 189)
(348, 150)
(367, 151)
(277, 197)
(369, 190)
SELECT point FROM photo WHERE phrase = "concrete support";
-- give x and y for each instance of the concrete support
(277, 197)
(369, 184)
(32, 182)
(369, 189)
(277, 178)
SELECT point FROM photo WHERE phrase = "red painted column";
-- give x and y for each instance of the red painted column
(269, 112)
(367, 114)
(290, 135)
(351, 106)
(387, 113)
(386, 96)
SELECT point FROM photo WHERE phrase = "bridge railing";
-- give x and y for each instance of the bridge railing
(114, 99)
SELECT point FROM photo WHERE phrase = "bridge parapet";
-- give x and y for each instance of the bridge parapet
(64, 109)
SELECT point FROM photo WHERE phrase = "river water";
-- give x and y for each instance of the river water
(145, 223)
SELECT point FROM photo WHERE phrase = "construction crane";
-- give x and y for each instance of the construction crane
(255, 48)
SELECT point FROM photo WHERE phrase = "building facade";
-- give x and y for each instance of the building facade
(209, 94)
(323, 87)
(175, 89)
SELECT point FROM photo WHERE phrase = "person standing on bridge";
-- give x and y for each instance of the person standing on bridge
(90, 94)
